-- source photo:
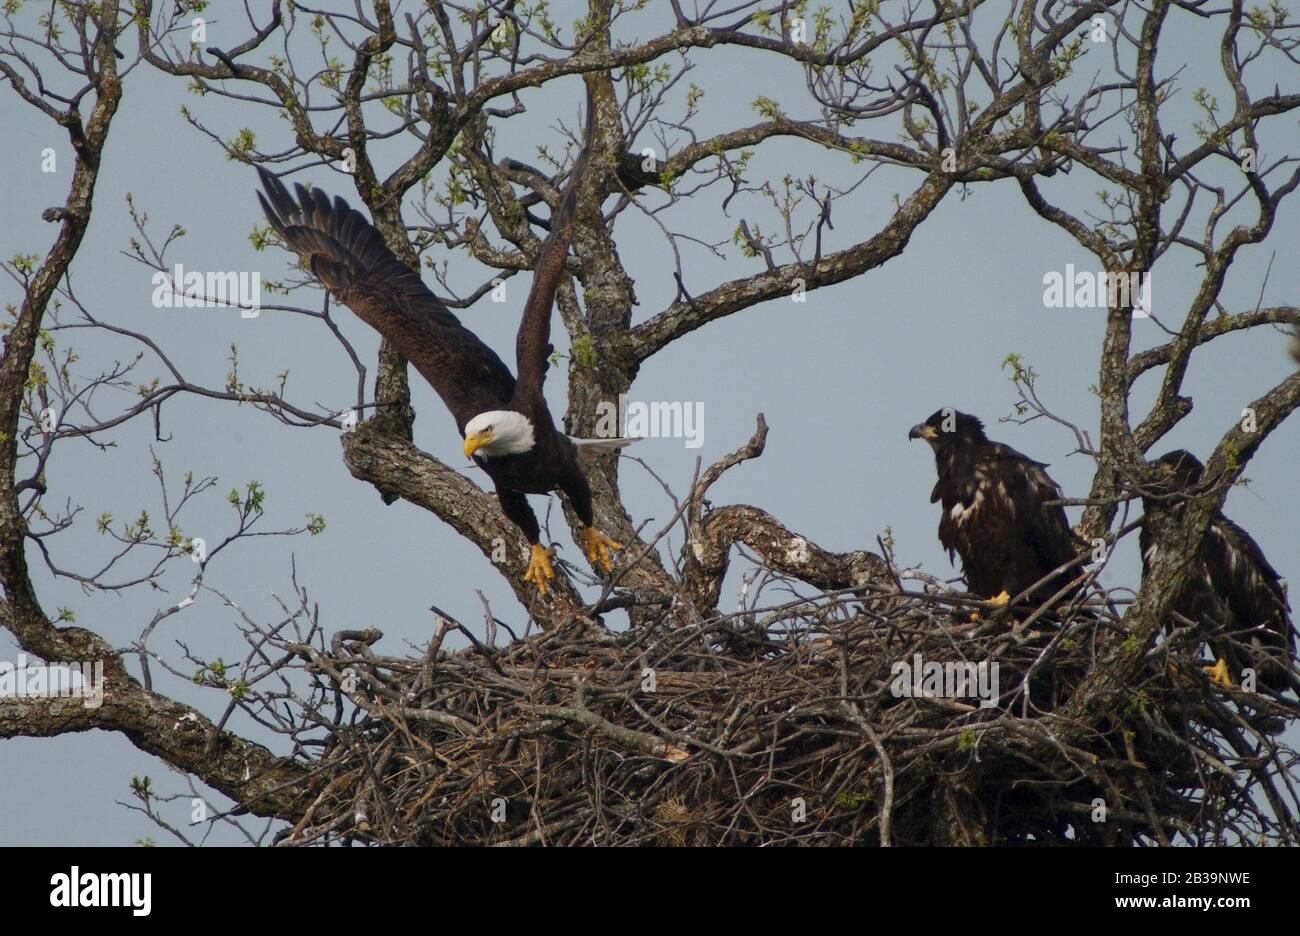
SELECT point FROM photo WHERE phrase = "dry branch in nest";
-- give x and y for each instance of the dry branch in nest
(785, 725)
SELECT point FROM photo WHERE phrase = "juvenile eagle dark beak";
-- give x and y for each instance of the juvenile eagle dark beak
(920, 431)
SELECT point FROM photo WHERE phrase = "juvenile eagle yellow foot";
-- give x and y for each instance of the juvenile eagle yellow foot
(998, 601)
(597, 546)
(539, 567)
(1219, 673)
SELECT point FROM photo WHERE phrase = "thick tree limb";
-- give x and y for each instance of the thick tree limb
(396, 467)
(684, 317)
(706, 554)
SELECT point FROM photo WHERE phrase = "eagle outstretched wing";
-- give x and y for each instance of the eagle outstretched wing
(349, 256)
(533, 343)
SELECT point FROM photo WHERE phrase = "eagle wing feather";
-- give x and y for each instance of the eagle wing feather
(1044, 528)
(1249, 586)
(533, 343)
(350, 258)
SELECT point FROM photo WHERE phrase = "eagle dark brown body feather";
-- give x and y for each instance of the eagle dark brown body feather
(1232, 591)
(995, 515)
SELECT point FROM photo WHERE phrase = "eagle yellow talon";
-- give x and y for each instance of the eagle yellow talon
(998, 601)
(597, 546)
(539, 567)
(1219, 673)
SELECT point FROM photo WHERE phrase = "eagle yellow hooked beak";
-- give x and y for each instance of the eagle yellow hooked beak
(476, 440)
(922, 431)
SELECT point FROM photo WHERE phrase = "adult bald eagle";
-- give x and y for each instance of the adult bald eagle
(995, 514)
(1231, 589)
(504, 419)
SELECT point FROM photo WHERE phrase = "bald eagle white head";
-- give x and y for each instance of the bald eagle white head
(498, 432)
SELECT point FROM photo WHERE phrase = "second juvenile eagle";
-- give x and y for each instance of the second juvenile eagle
(506, 425)
(1231, 589)
(995, 510)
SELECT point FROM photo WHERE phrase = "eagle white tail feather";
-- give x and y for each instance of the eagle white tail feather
(603, 445)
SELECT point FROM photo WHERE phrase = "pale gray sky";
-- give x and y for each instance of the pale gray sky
(840, 379)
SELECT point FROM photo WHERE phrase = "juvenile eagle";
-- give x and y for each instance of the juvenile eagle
(995, 514)
(504, 420)
(1231, 589)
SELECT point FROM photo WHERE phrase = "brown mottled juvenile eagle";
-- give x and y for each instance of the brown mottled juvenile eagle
(1231, 590)
(504, 419)
(995, 514)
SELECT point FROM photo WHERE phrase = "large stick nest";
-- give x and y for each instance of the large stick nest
(783, 727)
